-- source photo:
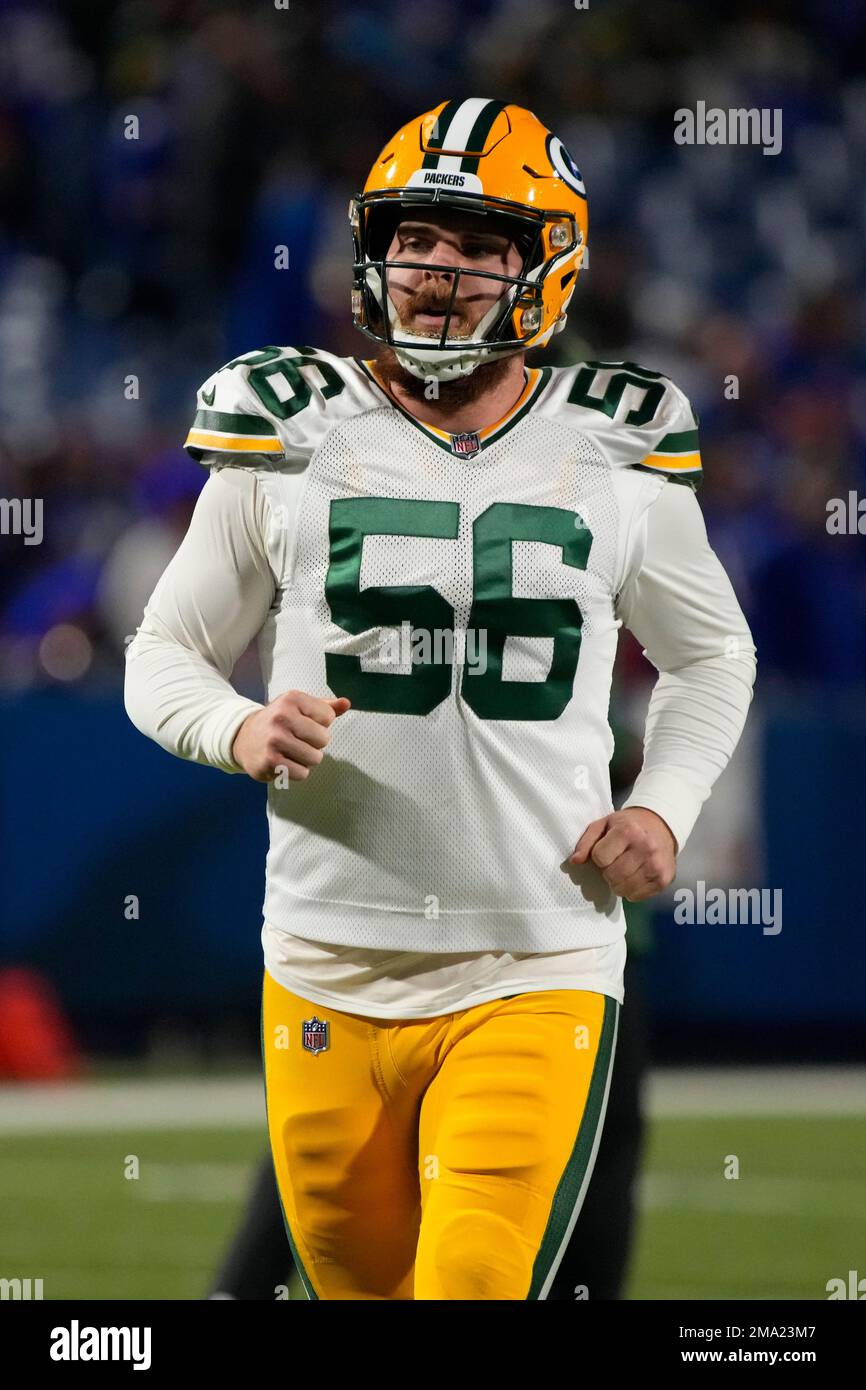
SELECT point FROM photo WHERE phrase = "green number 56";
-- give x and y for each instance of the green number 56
(495, 611)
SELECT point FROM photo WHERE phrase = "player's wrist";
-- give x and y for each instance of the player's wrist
(238, 738)
(656, 821)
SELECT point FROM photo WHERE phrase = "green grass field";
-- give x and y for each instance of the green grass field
(793, 1219)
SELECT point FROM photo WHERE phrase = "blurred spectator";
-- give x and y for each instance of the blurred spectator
(153, 157)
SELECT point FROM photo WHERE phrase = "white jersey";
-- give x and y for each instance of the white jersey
(463, 593)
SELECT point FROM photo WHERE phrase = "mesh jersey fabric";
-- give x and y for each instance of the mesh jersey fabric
(447, 831)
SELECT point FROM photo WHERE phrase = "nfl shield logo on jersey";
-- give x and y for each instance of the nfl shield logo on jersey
(468, 443)
(316, 1035)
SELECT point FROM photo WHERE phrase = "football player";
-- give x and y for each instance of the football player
(435, 549)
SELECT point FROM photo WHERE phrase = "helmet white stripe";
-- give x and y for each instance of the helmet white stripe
(458, 132)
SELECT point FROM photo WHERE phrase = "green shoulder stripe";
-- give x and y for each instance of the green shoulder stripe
(232, 424)
(680, 442)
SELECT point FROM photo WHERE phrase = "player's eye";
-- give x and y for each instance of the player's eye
(478, 250)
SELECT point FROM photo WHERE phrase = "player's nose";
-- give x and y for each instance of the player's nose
(443, 255)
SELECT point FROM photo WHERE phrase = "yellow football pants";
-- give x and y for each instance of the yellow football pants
(436, 1158)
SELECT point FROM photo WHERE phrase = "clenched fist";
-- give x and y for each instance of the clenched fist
(634, 849)
(293, 732)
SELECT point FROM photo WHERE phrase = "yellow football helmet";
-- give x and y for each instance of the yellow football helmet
(499, 161)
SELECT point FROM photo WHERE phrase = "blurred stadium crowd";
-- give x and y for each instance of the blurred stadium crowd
(130, 268)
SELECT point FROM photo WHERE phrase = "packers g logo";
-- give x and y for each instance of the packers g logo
(564, 165)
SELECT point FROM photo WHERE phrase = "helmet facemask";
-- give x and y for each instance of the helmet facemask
(446, 355)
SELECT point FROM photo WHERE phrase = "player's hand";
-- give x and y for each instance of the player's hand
(292, 732)
(635, 850)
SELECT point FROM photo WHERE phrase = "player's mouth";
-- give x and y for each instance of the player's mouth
(431, 321)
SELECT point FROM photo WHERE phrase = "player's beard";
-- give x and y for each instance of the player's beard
(463, 390)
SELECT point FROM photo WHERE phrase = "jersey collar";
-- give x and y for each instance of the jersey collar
(535, 380)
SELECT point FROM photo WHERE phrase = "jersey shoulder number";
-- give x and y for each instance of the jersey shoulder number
(636, 417)
(278, 401)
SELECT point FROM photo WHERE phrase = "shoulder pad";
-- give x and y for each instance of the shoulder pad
(637, 418)
(279, 401)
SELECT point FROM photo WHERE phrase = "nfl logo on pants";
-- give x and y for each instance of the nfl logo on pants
(315, 1035)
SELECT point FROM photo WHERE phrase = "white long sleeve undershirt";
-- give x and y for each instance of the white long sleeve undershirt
(679, 603)
(208, 606)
